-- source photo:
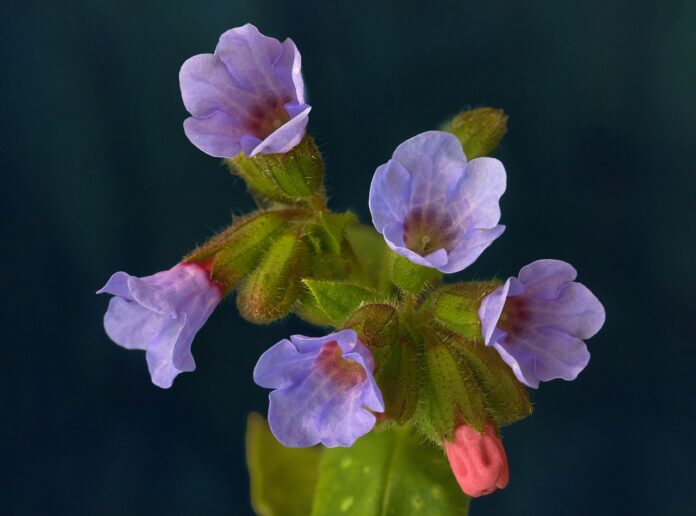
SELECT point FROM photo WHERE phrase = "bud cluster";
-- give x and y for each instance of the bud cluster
(450, 359)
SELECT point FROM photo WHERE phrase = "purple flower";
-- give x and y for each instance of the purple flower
(433, 207)
(323, 388)
(161, 314)
(538, 321)
(248, 96)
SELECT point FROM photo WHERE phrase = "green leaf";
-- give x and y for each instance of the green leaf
(269, 292)
(412, 277)
(457, 314)
(337, 299)
(479, 130)
(283, 480)
(390, 473)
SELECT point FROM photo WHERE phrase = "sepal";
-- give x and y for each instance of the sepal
(333, 226)
(412, 277)
(235, 252)
(455, 307)
(479, 130)
(376, 324)
(506, 399)
(270, 291)
(293, 177)
(448, 395)
(398, 376)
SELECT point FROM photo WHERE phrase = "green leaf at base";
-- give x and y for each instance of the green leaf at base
(388, 473)
(283, 479)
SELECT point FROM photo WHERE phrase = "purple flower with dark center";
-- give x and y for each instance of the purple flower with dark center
(323, 389)
(161, 314)
(246, 97)
(538, 321)
(433, 207)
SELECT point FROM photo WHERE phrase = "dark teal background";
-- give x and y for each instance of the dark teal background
(98, 176)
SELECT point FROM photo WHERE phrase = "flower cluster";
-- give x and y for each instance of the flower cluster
(449, 359)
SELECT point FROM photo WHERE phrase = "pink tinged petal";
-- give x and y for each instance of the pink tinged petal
(218, 135)
(490, 310)
(548, 355)
(437, 259)
(260, 64)
(285, 137)
(282, 366)
(343, 419)
(544, 354)
(471, 245)
(160, 353)
(293, 412)
(117, 286)
(562, 356)
(290, 59)
(575, 311)
(477, 196)
(543, 278)
(207, 86)
(390, 192)
(248, 143)
(522, 362)
(133, 326)
(393, 236)
(153, 297)
(435, 161)
(348, 341)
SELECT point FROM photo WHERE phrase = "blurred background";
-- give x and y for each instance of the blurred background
(98, 176)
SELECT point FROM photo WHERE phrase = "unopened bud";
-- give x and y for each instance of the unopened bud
(269, 292)
(236, 251)
(479, 130)
(478, 460)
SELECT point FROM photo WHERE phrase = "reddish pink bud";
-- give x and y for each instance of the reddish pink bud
(478, 460)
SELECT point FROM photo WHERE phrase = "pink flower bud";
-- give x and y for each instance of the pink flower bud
(478, 460)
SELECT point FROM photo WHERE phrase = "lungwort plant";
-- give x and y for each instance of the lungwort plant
(396, 404)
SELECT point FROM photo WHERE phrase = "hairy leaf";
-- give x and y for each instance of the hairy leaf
(283, 480)
(390, 473)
